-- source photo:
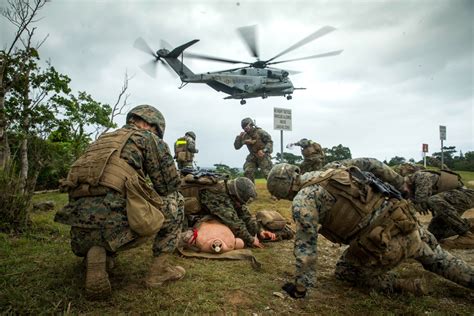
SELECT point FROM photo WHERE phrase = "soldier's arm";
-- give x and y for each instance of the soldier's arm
(423, 188)
(267, 140)
(221, 206)
(159, 166)
(306, 217)
(238, 143)
(378, 168)
(192, 145)
(252, 225)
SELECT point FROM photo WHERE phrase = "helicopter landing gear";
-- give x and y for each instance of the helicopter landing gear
(243, 101)
(289, 97)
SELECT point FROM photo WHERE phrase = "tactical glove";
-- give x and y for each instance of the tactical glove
(291, 289)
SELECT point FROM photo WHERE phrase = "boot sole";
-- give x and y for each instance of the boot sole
(97, 285)
(150, 284)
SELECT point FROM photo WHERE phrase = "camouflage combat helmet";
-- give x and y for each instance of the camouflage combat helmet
(246, 121)
(150, 115)
(191, 134)
(242, 188)
(281, 179)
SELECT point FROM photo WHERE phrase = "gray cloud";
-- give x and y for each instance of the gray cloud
(407, 67)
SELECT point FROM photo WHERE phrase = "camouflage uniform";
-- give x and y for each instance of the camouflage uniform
(361, 265)
(372, 165)
(258, 140)
(447, 206)
(189, 146)
(313, 155)
(102, 220)
(233, 214)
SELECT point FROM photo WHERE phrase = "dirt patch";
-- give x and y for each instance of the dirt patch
(237, 297)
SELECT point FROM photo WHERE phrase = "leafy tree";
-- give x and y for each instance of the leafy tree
(22, 14)
(338, 152)
(396, 161)
(448, 155)
(289, 158)
(224, 169)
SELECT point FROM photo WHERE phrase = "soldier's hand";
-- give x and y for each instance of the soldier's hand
(260, 154)
(422, 208)
(242, 134)
(257, 243)
(267, 235)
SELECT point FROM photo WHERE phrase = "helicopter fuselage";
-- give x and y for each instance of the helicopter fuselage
(247, 82)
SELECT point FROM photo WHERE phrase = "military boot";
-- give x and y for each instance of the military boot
(161, 271)
(97, 280)
(465, 241)
(415, 287)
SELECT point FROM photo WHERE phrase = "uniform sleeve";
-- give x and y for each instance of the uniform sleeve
(221, 206)
(191, 145)
(152, 155)
(238, 142)
(378, 168)
(250, 222)
(267, 140)
(423, 187)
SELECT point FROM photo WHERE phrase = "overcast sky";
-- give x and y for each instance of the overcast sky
(407, 67)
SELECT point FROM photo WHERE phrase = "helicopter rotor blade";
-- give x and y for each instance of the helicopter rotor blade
(207, 57)
(321, 32)
(140, 44)
(166, 45)
(249, 35)
(334, 53)
(150, 68)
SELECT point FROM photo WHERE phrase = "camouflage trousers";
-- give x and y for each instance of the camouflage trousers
(116, 238)
(252, 163)
(312, 164)
(447, 208)
(419, 245)
(370, 268)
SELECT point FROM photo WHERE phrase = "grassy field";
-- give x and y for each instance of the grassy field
(40, 275)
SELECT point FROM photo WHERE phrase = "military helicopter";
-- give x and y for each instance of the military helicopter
(255, 79)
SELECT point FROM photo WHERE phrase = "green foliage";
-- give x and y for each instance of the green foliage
(338, 152)
(289, 158)
(396, 161)
(13, 203)
(224, 169)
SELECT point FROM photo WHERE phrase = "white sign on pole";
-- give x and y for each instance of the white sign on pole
(282, 119)
(442, 132)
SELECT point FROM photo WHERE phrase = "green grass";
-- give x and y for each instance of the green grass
(40, 275)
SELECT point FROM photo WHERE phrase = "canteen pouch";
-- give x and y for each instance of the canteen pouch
(271, 220)
(143, 207)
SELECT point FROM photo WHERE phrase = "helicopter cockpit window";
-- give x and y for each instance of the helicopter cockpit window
(243, 71)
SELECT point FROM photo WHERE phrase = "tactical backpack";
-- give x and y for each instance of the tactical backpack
(181, 152)
(191, 185)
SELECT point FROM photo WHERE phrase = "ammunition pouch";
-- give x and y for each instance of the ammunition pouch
(390, 238)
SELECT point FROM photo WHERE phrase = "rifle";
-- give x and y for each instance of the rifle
(198, 173)
(382, 187)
